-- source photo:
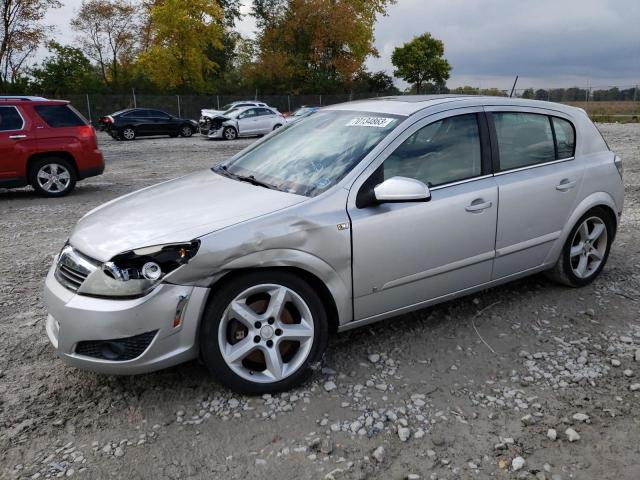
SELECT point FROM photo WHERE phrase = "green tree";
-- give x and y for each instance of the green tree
(421, 60)
(67, 70)
(181, 34)
(21, 33)
(108, 35)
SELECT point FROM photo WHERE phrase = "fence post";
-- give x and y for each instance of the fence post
(635, 93)
(289, 103)
(218, 101)
(89, 109)
(320, 99)
(135, 103)
(178, 105)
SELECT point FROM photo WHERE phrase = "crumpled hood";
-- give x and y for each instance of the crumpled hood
(205, 112)
(174, 211)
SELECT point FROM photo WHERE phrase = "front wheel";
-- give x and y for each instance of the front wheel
(261, 333)
(586, 250)
(229, 133)
(186, 131)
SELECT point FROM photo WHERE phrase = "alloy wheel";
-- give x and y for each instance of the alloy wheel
(266, 333)
(229, 134)
(588, 247)
(53, 178)
(187, 132)
(129, 133)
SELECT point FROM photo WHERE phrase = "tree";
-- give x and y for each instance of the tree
(421, 60)
(181, 32)
(67, 70)
(378, 82)
(22, 32)
(313, 45)
(108, 35)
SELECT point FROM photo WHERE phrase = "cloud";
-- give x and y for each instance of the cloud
(546, 42)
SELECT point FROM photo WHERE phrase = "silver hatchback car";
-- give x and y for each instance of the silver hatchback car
(357, 213)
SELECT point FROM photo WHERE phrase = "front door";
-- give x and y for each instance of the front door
(248, 122)
(538, 182)
(406, 254)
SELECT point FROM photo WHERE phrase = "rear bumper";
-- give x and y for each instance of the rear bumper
(75, 320)
(91, 164)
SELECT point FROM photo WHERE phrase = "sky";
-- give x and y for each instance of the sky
(548, 43)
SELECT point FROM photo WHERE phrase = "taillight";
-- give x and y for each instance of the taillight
(86, 131)
(618, 163)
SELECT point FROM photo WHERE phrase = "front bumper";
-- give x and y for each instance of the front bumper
(73, 319)
(214, 133)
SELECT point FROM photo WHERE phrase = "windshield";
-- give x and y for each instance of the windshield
(310, 156)
(232, 113)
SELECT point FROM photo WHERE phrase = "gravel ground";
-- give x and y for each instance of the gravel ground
(554, 393)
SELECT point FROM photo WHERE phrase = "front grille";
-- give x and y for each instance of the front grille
(69, 277)
(119, 349)
(73, 268)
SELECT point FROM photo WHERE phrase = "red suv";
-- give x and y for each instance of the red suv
(46, 144)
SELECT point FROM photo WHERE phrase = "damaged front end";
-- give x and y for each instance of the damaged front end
(211, 124)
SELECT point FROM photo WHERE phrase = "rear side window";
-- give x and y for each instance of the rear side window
(10, 119)
(524, 139)
(565, 137)
(442, 152)
(136, 114)
(57, 116)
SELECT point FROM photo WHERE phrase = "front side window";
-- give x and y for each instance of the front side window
(248, 113)
(158, 114)
(442, 152)
(565, 138)
(10, 119)
(524, 139)
(310, 156)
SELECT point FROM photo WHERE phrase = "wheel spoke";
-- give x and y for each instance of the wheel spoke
(577, 250)
(47, 184)
(54, 169)
(597, 232)
(299, 332)
(274, 362)
(584, 232)
(582, 266)
(595, 254)
(242, 313)
(64, 175)
(237, 352)
(277, 302)
(43, 175)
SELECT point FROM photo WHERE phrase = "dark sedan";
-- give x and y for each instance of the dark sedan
(143, 122)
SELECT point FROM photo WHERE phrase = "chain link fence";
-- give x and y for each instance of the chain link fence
(619, 103)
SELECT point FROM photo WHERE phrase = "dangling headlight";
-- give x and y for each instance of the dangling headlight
(135, 272)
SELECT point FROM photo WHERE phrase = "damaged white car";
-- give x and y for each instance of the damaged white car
(242, 122)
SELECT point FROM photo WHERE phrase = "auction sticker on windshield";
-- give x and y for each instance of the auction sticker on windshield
(378, 122)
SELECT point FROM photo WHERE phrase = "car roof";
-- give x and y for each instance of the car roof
(7, 99)
(406, 105)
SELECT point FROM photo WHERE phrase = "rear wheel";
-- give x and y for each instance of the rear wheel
(229, 133)
(586, 250)
(128, 133)
(53, 177)
(262, 332)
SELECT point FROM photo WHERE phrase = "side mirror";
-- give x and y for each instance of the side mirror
(401, 189)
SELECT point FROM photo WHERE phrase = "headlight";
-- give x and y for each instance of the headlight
(135, 272)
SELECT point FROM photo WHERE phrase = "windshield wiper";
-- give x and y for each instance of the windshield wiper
(244, 178)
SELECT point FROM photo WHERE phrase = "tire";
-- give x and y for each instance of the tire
(277, 126)
(259, 336)
(229, 133)
(186, 131)
(52, 177)
(127, 133)
(590, 257)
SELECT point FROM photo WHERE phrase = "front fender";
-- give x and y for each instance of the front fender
(274, 258)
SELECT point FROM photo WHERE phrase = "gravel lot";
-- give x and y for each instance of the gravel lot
(554, 393)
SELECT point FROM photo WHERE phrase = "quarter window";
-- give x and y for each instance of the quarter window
(524, 139)
(10, 119)
(443, 152)
(565, 137)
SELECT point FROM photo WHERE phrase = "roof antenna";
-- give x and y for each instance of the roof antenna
(514, 87)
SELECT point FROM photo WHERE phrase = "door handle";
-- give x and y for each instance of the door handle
(565, 185)
(478, 206)
(17, 137)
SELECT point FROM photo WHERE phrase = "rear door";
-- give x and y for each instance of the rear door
(16, 144)
(538, 181)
